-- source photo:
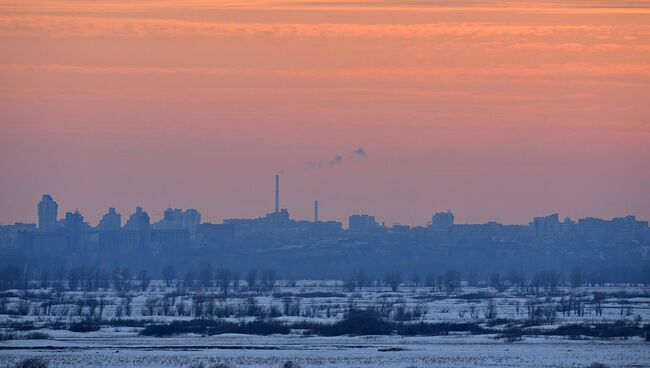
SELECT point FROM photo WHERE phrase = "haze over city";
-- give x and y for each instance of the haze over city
(497, 111)
(324, 183)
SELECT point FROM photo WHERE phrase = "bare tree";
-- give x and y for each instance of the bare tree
(189, 279)
(144, 279)
(416, 279)
(490, 311)
(235, 280)
(180, 308)
(169, 274)
(472, 279)
(576, 277)
(206, 275)
(268, 280)
(167, 302)
(223, 277)
(151, 304)
(251, 279)
(452, 281)
(126, 305)
(495, 281)
(393, 279)
(430, 281)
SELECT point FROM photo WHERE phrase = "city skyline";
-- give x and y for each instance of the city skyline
(307, 183)
(47, 220)
(497, 110)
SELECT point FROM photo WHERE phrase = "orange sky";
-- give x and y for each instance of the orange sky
(497, 110)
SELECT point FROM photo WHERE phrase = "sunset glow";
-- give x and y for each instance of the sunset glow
(458, 105)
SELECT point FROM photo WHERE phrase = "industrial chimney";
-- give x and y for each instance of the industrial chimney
(277, 194)
(316, 211)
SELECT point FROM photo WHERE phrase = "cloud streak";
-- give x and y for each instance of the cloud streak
(500, 6)
(564, 71)
(86, 27)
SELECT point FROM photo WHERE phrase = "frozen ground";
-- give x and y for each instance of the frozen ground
(322, 302)
(130, 350)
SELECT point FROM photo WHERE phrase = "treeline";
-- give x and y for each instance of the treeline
(123, 279)
(541, 282)
(208, 277)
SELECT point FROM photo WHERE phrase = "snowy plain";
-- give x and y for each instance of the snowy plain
(326, 302)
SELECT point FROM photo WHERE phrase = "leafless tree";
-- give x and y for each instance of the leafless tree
(169, 275)
(223, 277)
(490, 311)
(151, 304)
(268, 280)
(144, 279)
(251, 279)
(452, 281)
(393, 279)
(206, 275)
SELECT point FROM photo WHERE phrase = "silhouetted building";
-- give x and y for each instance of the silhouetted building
(169, 240)
(177, 219)
(47, 214)
(212, 235)
(442, 220)
(362, 223)
(545, 227)
(9, 233)
(111, 221)
(74, 226)
(191, 219)
(139, 222)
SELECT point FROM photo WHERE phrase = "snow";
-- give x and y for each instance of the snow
(124, 347)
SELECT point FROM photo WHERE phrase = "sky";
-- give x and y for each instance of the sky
(496, 110)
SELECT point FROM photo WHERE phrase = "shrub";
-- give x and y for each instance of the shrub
(32, 363)
(598, 365)
(84, 327)
(28, 336)
(209, 327)
(4, 336)
(290, 364)
(36, 336)
(600, 330)
(512, 335)
(358, 322)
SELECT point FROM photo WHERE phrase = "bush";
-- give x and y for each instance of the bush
(209, 327)
(84, 327)
(28, 336)
(358, 322)
(4, 336)
(598, 365)
(290, 364)
(512, 335)
(600, 330)
(36, 336)
(32, 363)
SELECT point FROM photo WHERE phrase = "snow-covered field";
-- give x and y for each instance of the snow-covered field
(322, 302)
(105, 350)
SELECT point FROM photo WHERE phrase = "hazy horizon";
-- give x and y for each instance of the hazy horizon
(495, 111)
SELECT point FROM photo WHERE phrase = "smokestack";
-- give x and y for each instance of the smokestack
(316, 211)
(277, 194)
